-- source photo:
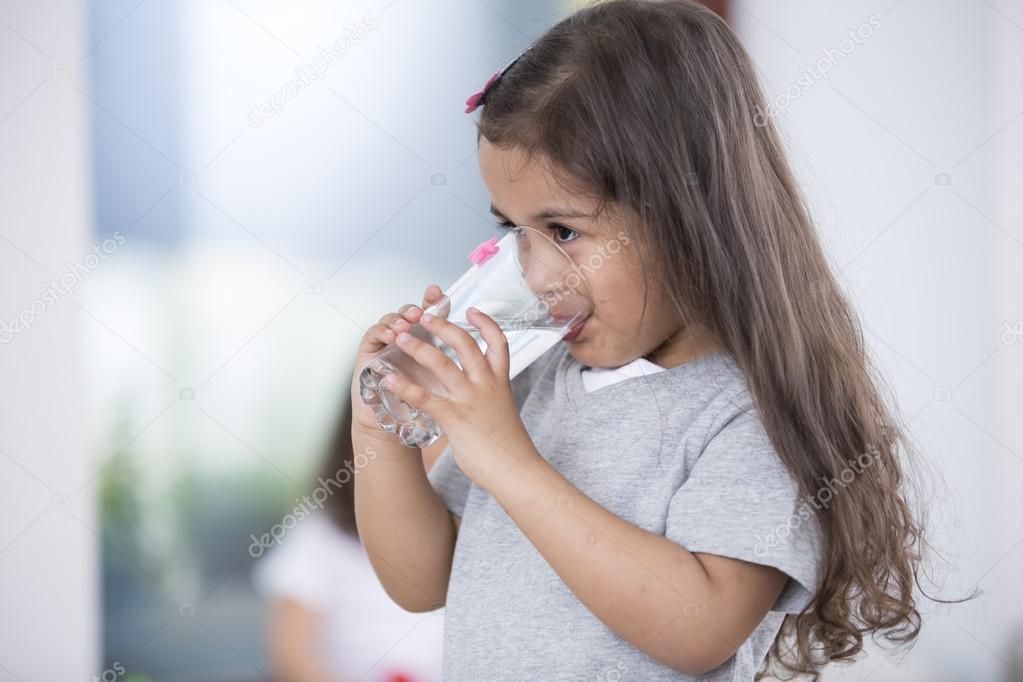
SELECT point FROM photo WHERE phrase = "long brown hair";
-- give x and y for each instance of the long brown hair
(340, 506)
(655, 105)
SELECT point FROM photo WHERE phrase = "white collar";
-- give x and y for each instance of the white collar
(598, 377)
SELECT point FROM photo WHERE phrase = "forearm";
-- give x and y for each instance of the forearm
(403, 524)
(651, 591)
(432, 453)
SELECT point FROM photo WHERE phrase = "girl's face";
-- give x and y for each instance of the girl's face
(527, 193)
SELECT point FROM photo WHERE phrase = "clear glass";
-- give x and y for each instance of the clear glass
(525, 282)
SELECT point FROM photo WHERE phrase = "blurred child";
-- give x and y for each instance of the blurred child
(330, 620)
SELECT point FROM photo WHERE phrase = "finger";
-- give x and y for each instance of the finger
(466, 348)
(407, 308)
(442, 308)
(395, 323)
(375, 338)
(432, 294)
(399, 325)
(413, 394)
(436, 301)
(410, 312)
(497, 342)
(385, 335)
(432, 358)
(399, 322)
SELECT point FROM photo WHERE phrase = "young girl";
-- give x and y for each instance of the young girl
(702, 482)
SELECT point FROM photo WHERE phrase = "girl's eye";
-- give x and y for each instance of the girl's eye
(559, 230)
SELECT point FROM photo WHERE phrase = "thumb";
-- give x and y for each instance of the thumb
(433, 295)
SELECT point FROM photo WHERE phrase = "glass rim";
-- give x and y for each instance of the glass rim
(565, 254)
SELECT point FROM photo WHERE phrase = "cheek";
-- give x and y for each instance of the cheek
(617, 298)
(614, 279)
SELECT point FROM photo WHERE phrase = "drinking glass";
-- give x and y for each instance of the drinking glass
(530, 287)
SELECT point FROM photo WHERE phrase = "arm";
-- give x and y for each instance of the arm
(688, 611)
(430, 455)
(432, 452)
(403, 524)
(407, 530)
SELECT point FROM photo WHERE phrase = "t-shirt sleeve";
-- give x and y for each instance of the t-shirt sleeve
(739, 501)
(449, 481)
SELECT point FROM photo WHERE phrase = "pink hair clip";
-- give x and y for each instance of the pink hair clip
(476, 100)
(485, 251)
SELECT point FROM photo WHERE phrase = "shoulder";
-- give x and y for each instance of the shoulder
(729, 425)
(728, 440)
(711, 389)
(735, 435)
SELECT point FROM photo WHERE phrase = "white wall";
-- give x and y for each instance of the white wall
(909, 152)
(49, 621)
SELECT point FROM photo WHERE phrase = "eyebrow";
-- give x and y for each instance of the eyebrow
(556, 212)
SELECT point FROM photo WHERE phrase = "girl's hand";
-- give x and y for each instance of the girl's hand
(376, 338)
(475, 406)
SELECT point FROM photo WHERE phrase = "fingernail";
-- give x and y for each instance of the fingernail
(427, 317)
(403, 337)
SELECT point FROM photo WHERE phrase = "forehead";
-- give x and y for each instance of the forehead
(511, 173)
(525, 189)
(518, 183)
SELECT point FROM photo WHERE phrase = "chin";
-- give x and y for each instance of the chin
(579, 352)
(585, 355)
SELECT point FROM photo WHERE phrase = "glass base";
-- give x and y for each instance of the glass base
(415, 429)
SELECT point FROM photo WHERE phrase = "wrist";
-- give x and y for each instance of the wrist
(385, 446)
(528, 488)
(520, 463)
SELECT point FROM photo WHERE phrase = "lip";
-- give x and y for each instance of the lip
(575, 330)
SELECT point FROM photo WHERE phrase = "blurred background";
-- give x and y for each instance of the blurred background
(203, 204)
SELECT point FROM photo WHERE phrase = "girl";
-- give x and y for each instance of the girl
(701, 482)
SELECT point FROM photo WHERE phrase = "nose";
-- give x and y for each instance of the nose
(552, 275)
(542, 263)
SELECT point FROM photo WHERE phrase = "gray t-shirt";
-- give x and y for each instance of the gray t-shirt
(680, 453)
